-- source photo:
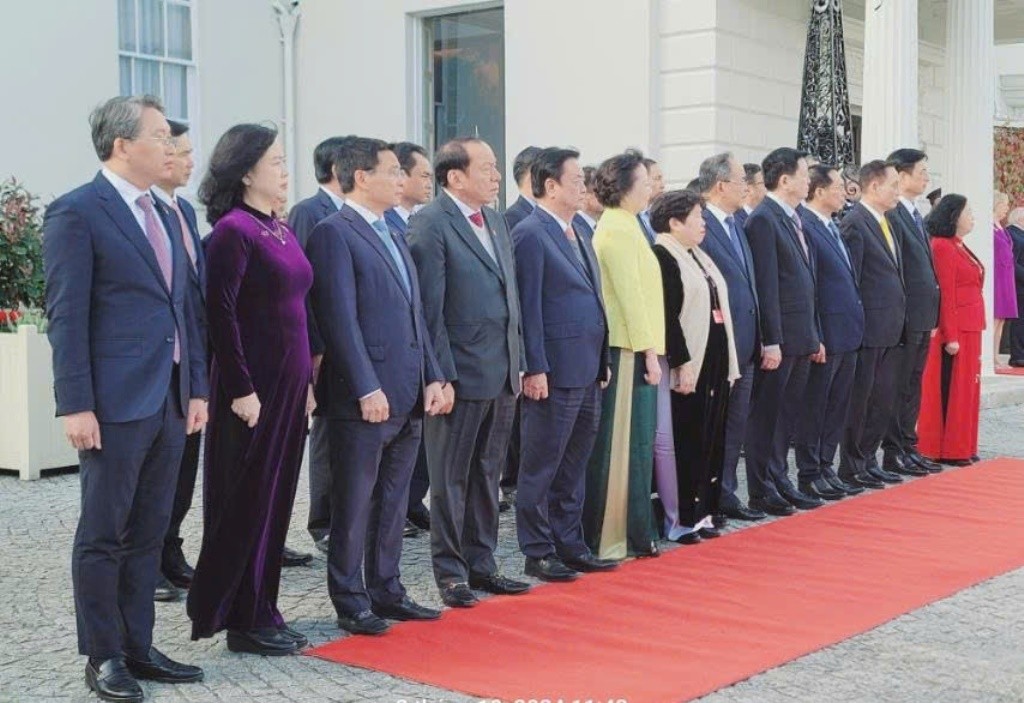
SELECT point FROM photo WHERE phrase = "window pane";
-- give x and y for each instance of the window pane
(126, 75)
(126, 24)
(151, 27)
(176, 91)
(147, 77)
(179, 32)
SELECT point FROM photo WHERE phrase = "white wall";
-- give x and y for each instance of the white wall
(57, 67)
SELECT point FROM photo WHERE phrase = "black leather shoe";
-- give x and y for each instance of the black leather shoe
(549, 568)
(956, 462)
(903, 465)
(163, 669)
(507, 500)
(880, 474)
(709, 533)
(689, 538)
(924, 462)
(801, 500)
(323, 545)
(420, 517)
(719, 520)
(740, 512)
(650, 553)
(498, 585)
(294, 635)
(588, 563)
(458, 595)
(975, 458)
(839, 484)
(364, 622)
(772, 505)
(293, 558)
(174, 566)
(821, 488)
(410, 530)
(112, 681)
(267, 642)
(165, 592)
(862, 479)
(406, 609)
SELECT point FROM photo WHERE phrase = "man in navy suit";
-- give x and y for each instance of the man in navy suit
(1015, 227)
(841, 313)
(722, 184)
(302, 218)
(657, 179)
(129, 369)
(784, 265)
(877, 262)
(754, 177)
(416, 190)
(565, 335)
(175, 571)
(585, 219)
(378, 377)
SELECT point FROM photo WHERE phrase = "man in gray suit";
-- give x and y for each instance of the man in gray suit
(464, 261)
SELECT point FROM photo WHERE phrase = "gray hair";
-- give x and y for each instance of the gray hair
(118, 118)
(1016, 217)
(713, 170)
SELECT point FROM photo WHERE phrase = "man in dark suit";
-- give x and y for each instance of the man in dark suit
(877, 263)
(416, 190)
(784, 266)
(922, 288)
(378, 377)
(841, 314)
(302, 218)
(754, 177)
(467, 275)
(565, 335)
(175, 571)
(585, 219)
(657, 179)
(129, 369)
(724, 189)
(1016, 230)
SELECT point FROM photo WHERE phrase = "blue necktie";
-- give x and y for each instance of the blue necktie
(839, 240)
(385, 236)
(734, 237)
(920, 223)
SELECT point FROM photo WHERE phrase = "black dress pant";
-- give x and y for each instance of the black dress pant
(735, 433)
(871, 408)
(182, 498)
(1017, 334)
(823, 417)
(777, 399)
(319, 523)
(901, 435)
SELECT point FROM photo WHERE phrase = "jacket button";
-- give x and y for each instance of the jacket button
(169, 340)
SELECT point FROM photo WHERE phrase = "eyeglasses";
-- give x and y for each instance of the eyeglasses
(166, 141)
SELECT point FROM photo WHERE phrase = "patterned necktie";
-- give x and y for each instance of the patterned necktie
(920, 223)
(839, 241)
(800, 234)
(884, 223)
(389, 243)
(186, 233)
(477, 219)
(159, 242)
(734, 237)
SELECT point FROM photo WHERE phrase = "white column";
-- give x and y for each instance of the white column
(970, 107)
(890, 78)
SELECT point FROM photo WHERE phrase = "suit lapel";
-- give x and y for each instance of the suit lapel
(719, 233)
(790, 227)
(115, 207)
(876, 229)
(461, 226)
(370, 235)
(562, 244)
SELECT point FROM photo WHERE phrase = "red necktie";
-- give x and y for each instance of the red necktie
(477, 219)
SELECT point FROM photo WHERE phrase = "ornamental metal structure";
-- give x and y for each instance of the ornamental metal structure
(825, 129)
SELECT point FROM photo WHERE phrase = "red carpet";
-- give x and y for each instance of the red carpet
(1010, 371)
(702, 618)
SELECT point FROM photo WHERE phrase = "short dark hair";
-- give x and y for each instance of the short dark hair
(357, 154)
(821, 177)
(549, 163)
(324, 156)
(237, 151)
(648, 162)
(783, 161)
(904, 160)
(872, 172)
(694, 185)
(177, 128)
(614, 177)
(588, 177)
(452, 156)
(521, 165)
(934, 195)
(750, 172)
(406, 153)
(673, 203)
(941, 221)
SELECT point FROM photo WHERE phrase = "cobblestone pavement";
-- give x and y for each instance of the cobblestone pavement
(966, 649)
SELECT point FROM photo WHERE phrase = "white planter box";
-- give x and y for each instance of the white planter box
(31, 438)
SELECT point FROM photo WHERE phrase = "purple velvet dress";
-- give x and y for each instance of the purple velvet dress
(255, 301)
(1005, 289)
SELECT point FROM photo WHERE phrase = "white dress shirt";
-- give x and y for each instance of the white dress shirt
(338, 202)
(481, 232)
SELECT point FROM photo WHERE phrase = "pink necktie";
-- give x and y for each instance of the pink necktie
(186, 233)
(157, 240)
(800, 234)
(477, 219)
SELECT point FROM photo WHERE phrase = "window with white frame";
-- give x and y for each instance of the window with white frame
(156, 54)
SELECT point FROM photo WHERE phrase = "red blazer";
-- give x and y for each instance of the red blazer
(961, 277)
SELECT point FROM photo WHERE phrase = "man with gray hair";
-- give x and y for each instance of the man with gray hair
(129, 370)
(723, 183)
(1016, 230)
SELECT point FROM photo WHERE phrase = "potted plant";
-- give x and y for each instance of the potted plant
(31, 437)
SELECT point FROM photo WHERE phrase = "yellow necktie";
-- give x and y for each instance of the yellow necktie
(888, 236)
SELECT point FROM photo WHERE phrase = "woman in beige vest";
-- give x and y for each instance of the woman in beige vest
(697, 371)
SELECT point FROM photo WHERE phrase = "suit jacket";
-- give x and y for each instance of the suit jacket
(396, 223)
(740, 279)
(879, 277)
(961, 279)
(919, 278)
(840, 310)
(517, 212)
(374, 332)
(470, 300)
(565, 331)
(582, 227)
(112, 318)
(302, 219)
(785, 281)
(1017, 235)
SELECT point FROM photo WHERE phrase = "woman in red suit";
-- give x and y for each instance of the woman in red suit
(951, 390)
